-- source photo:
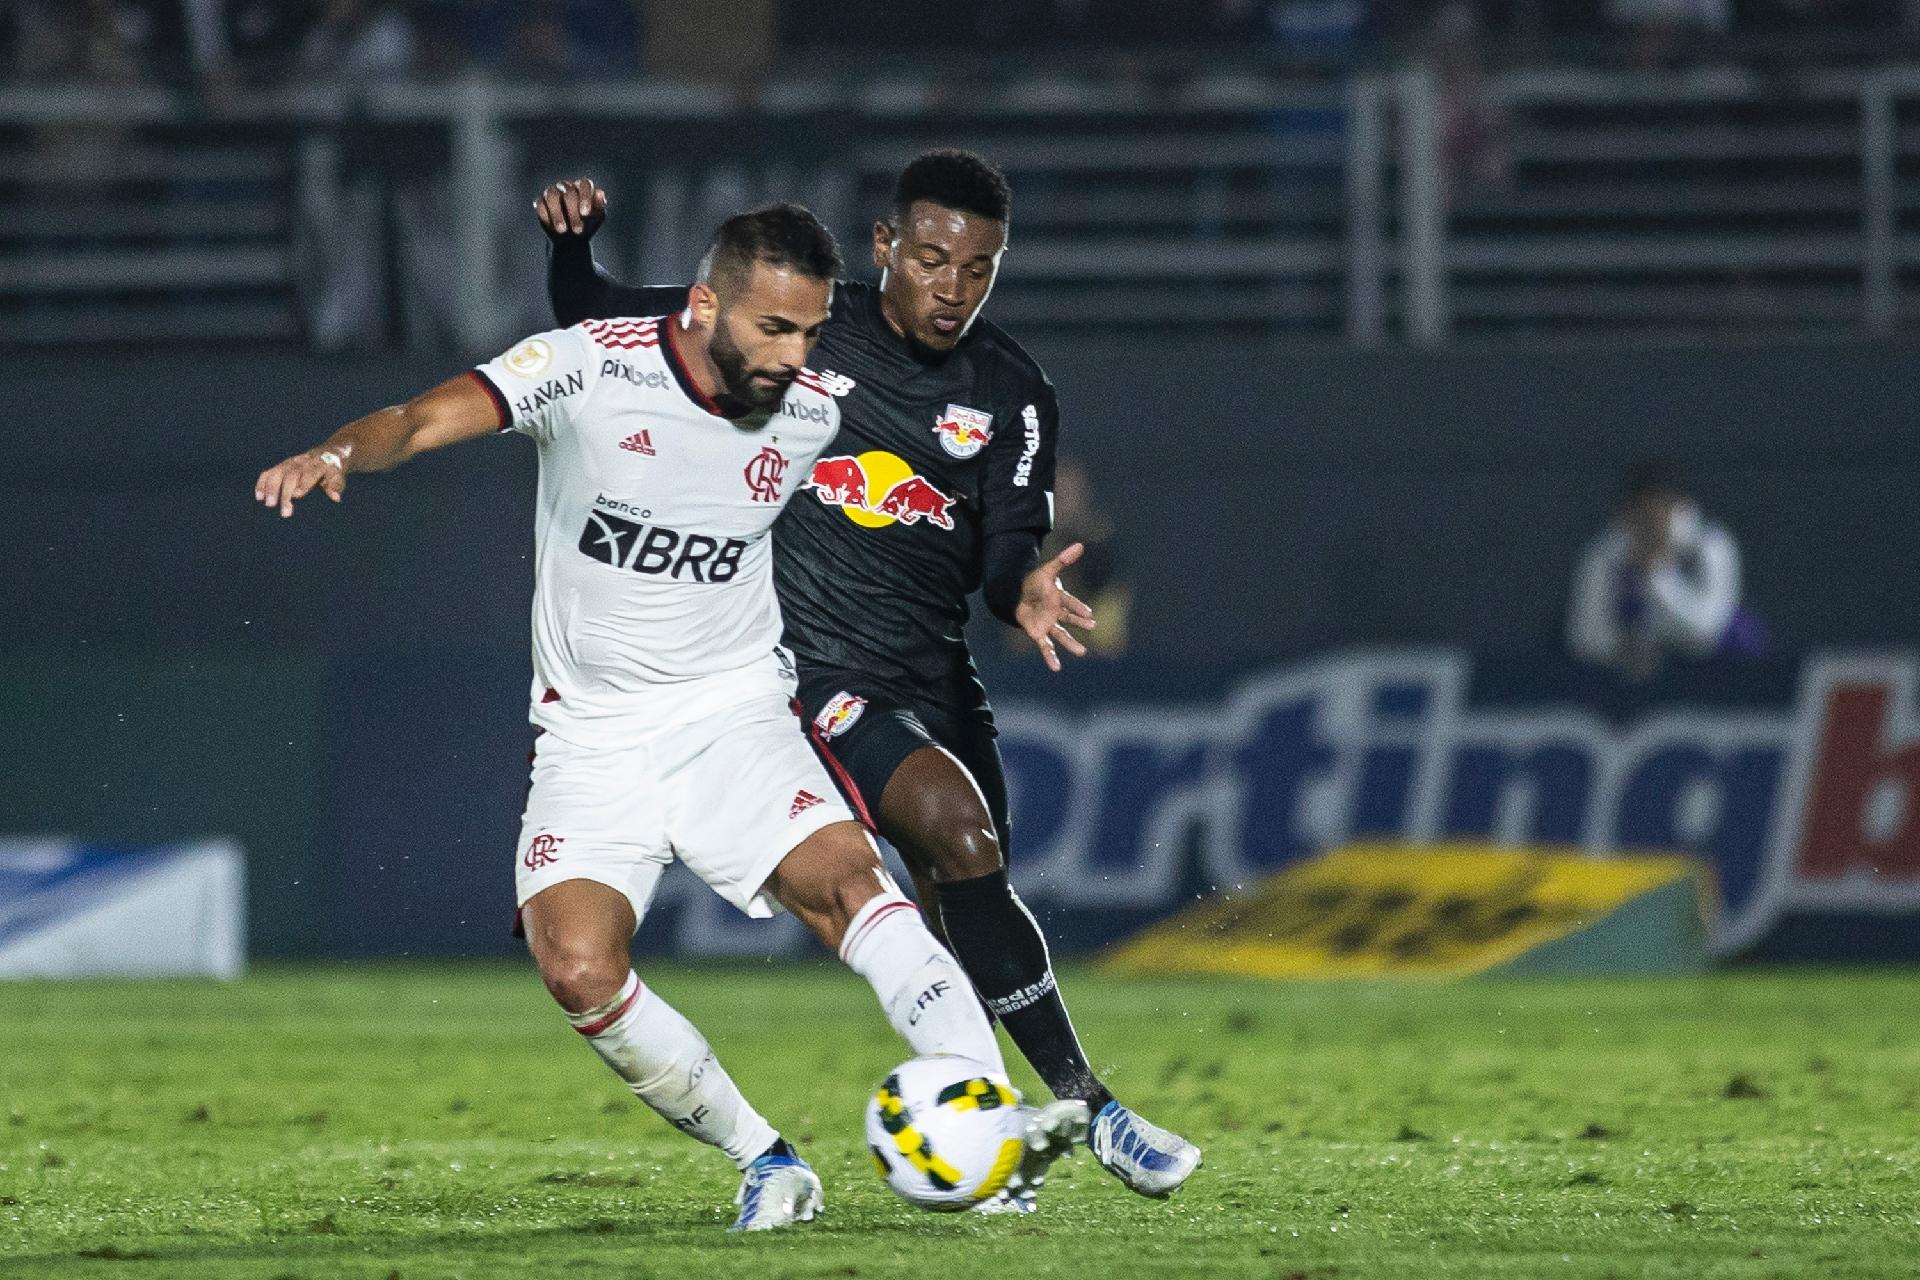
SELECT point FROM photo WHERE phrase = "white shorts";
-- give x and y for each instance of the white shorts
(730, 795)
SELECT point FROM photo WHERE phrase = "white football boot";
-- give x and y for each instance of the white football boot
(776, 1192)
(1052, 1132)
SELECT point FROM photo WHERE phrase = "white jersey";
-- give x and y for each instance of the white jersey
(653, 596)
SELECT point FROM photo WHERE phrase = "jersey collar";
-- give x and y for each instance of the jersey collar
(670, 350)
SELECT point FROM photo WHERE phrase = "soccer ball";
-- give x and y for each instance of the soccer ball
(944, 1135)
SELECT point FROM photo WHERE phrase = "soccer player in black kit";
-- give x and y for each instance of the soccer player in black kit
(939, 484)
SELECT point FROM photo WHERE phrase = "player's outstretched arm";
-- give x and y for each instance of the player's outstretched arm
(570, 212)
(458, 409)
(577, 286)
(1047, 609)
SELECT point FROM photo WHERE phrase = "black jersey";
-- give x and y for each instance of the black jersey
(876, 554)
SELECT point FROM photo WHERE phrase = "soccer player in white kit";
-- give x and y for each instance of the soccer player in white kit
(667, 448)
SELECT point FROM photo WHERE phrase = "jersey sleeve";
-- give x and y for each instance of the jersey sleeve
(1018, 493)
(539, 386)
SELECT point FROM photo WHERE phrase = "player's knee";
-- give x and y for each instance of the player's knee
(950, 838)
(961, 845)
(582, 978)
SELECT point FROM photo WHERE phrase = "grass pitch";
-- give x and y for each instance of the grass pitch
(420, 1122)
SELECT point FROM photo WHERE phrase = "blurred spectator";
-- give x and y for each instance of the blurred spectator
(1322, 31)
(359, 40)
(118, 44)
(1806, 15)
(1096, 578)
(1660, 578)
(1473, 129)
(1003, 24)
(246, 42)
(1659, 28)
(545, 37)
(732, 44)
(102, 42)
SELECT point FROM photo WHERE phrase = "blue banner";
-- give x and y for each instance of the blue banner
(1137, 789)
(1808, 812)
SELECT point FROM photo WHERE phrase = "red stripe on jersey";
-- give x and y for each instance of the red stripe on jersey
(684, 377)
(623, 334)
(848, 787)
(504, 414)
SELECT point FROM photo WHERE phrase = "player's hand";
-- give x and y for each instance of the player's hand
(1047, 609)
(574, 208)
(283, 485)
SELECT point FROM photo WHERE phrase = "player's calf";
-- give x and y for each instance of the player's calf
(578, 931)
(933, 810)
(834, 883)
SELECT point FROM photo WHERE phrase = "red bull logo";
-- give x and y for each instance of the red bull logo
(877, 489)
(838, 715)
(963, 432)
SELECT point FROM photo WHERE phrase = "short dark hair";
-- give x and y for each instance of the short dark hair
(954, 180)
(780, 235)
(1649, 476)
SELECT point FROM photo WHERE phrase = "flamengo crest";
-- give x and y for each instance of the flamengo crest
(764, 473)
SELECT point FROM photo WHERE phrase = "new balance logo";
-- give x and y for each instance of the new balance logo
(639, 442)
(825, 381)
(803, 801)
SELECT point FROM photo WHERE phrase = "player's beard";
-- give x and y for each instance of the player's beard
(737, 378)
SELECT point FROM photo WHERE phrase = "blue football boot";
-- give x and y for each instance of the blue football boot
(1148, 1159)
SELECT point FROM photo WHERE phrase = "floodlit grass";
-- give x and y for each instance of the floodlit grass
(443, 1122)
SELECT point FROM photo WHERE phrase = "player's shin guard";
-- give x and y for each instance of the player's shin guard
(666, 1062)
(923, 989)
(998, 941)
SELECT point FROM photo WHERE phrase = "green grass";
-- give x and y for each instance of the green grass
(443, 1122)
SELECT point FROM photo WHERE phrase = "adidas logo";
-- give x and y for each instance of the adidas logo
(802, 801)
(639, 442)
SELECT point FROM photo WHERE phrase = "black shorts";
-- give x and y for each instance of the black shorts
(864, 730)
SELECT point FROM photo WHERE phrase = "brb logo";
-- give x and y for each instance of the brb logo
(656, 550)
(876, 489)
(1815, 808)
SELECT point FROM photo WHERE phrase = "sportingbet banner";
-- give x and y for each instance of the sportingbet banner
(1807, 809)
(1141, 787)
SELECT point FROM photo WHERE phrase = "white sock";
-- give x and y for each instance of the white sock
(923, 989)
(667, 1063)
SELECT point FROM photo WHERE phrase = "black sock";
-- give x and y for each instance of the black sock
(997, 942)
(780, 1147)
